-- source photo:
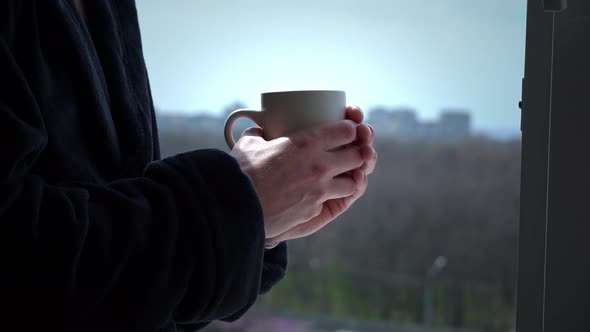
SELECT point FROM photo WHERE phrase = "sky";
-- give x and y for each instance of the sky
(203, 55)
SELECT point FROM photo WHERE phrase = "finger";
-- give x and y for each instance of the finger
(364, 134)
(330, 210)
(358, 176)
(327, 136)
(361, 181)
(344, 160)
(369, 156)
(326, 216)
(252, 131)
(303, 229)
(338, 187)
(335, 134)
(336, 207)
(372, 132)
(354, 113)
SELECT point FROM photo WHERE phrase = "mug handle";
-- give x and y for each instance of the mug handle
(254, 115)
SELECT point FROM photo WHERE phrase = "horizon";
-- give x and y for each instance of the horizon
(497, 132)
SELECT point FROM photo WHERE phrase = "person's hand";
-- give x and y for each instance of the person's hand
(294, 176)
(332, 208)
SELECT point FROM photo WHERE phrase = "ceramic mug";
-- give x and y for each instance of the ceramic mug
(285, 112)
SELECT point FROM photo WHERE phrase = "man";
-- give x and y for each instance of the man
(96, 233)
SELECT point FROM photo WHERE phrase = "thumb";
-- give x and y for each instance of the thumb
(252, 131)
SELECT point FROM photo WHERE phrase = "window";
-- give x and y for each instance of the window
(434, 241)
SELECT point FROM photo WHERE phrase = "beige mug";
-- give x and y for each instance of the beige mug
(289, 111)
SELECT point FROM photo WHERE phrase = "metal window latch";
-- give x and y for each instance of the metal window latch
(520, 106)
(554, 5)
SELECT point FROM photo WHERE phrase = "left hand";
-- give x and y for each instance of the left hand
(335, 207)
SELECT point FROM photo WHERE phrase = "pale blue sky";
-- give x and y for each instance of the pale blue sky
(428, 54)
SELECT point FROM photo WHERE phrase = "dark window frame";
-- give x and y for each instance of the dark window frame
(553, 264)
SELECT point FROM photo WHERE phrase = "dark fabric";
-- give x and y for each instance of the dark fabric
(95, 235)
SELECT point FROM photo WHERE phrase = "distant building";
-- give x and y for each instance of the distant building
(455, 124)
(402, 123)
(399, 122)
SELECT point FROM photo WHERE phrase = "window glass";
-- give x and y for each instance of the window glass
(432, 245)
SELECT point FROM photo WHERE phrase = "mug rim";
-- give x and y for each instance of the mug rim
(301, 91)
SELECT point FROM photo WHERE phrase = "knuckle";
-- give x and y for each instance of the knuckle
(348, 130)
(361, 191)
(369, 155)
(318, 195)
(366, 152)
(303, 141)
(362, 155)
(315, 212)
(318, 211)
(364, 186)
(373, 162)
(319, 170)
(306, 216)
(352, 188)
(365, 167)
(246, 141)
(373, 153)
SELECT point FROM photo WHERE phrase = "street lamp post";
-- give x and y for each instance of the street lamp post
(439, 263)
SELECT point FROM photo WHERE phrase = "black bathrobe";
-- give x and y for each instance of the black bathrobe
(97, 233)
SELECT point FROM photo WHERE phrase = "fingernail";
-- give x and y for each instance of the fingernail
(372, 130)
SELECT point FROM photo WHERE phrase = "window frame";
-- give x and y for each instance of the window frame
(553, 270)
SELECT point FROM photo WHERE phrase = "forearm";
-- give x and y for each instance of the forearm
(185, 240)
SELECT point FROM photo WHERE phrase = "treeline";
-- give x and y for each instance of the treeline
(425, 200)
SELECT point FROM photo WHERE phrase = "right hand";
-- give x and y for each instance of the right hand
(295, 175)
